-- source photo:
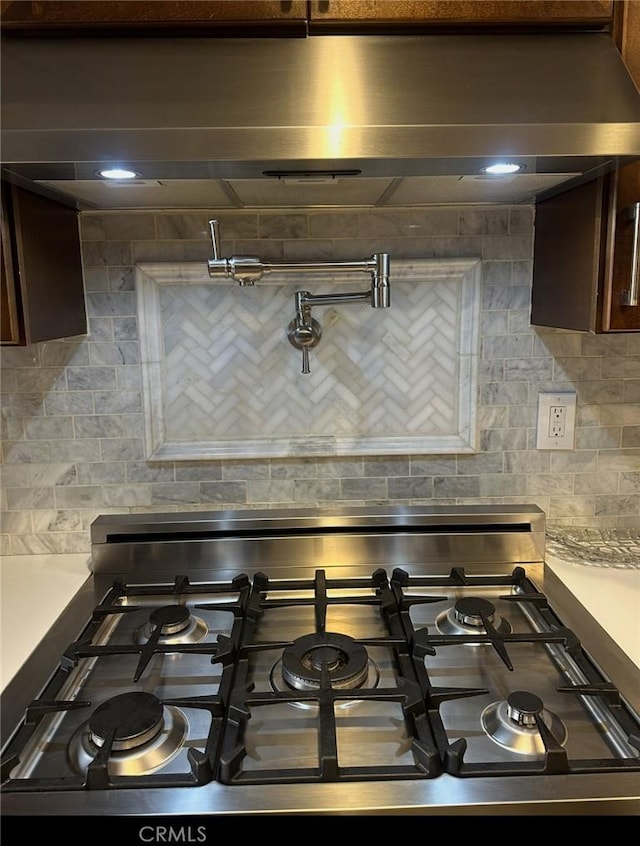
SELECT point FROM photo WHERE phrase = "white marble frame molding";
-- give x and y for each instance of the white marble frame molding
(221, 380)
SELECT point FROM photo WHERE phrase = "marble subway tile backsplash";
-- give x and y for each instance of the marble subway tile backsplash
(72, 420)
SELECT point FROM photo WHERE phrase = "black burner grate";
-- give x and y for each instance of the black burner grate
(563, 650)
(245, 702)
(89, 659)
(283, 677)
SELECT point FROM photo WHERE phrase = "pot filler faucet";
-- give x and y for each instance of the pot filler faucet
(304, 332)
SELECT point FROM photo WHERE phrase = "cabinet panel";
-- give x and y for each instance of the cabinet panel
(456, 12)
(211, 17)
(201, 17)
(42, 269)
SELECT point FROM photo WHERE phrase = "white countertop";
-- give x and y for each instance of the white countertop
(611, 595)
(34, 590)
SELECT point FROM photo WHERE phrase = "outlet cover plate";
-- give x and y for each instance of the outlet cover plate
(556, 420)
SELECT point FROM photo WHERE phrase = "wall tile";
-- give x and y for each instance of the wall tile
(283, 226)
(364, 489)
(410, 487)
(587, 483)
(270, 490)
(330, 225)
(72, 416)
(174, 492)
(129, 227)
(183, 226)
(316, 490)
(502, 486)
(234, 492)
(615, 505)
(630, 482)
(425, 222)
(481, 222)
(458, 486)
(103, 254)
(630, 436)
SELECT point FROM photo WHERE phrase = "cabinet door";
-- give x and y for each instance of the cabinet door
(568, 257)
(621, 293)
(440, 13)
(198, 17)
(621, 284)
(11, 330)
(587, 240)
(44, 278)
(586, 256)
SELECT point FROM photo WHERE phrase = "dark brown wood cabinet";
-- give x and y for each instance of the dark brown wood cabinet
(167, 17)
(587, 240)
(436, 14)
(42, 283)
(586, 259)
(292, 17)
(619, 307)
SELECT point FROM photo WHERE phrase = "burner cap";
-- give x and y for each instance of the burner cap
(523, 706)
(465, 617)
(304, 661)
(172, 624)
(135, 717)
(170, 618)
(469, 609)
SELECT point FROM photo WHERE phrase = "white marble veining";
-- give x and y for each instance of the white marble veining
(220, 378)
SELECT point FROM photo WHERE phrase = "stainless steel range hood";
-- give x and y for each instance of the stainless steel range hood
(320, 121)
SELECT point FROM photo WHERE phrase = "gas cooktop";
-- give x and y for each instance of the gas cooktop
(394, 660)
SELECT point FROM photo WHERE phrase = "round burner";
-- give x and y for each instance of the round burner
(170, 619)
(511, 723)
(302, 663)
(147, 735)
(465, 617)
(176, 624)
(134, 717)
(523, 707)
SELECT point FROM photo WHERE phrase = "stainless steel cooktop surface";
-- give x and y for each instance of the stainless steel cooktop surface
(358, 661)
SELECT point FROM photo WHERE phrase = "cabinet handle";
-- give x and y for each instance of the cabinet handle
(630, 297)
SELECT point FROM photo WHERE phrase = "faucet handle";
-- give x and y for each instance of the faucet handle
(303, 333)
(214, 228)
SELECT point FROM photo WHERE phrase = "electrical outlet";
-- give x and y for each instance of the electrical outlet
(556, 421)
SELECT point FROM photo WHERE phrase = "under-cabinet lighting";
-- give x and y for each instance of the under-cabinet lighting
(118, 173)
(502, 168)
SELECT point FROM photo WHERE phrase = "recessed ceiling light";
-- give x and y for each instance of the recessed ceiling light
(502, 168)
(117, 173)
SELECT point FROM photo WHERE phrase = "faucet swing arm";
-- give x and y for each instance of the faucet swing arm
(304, 331)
